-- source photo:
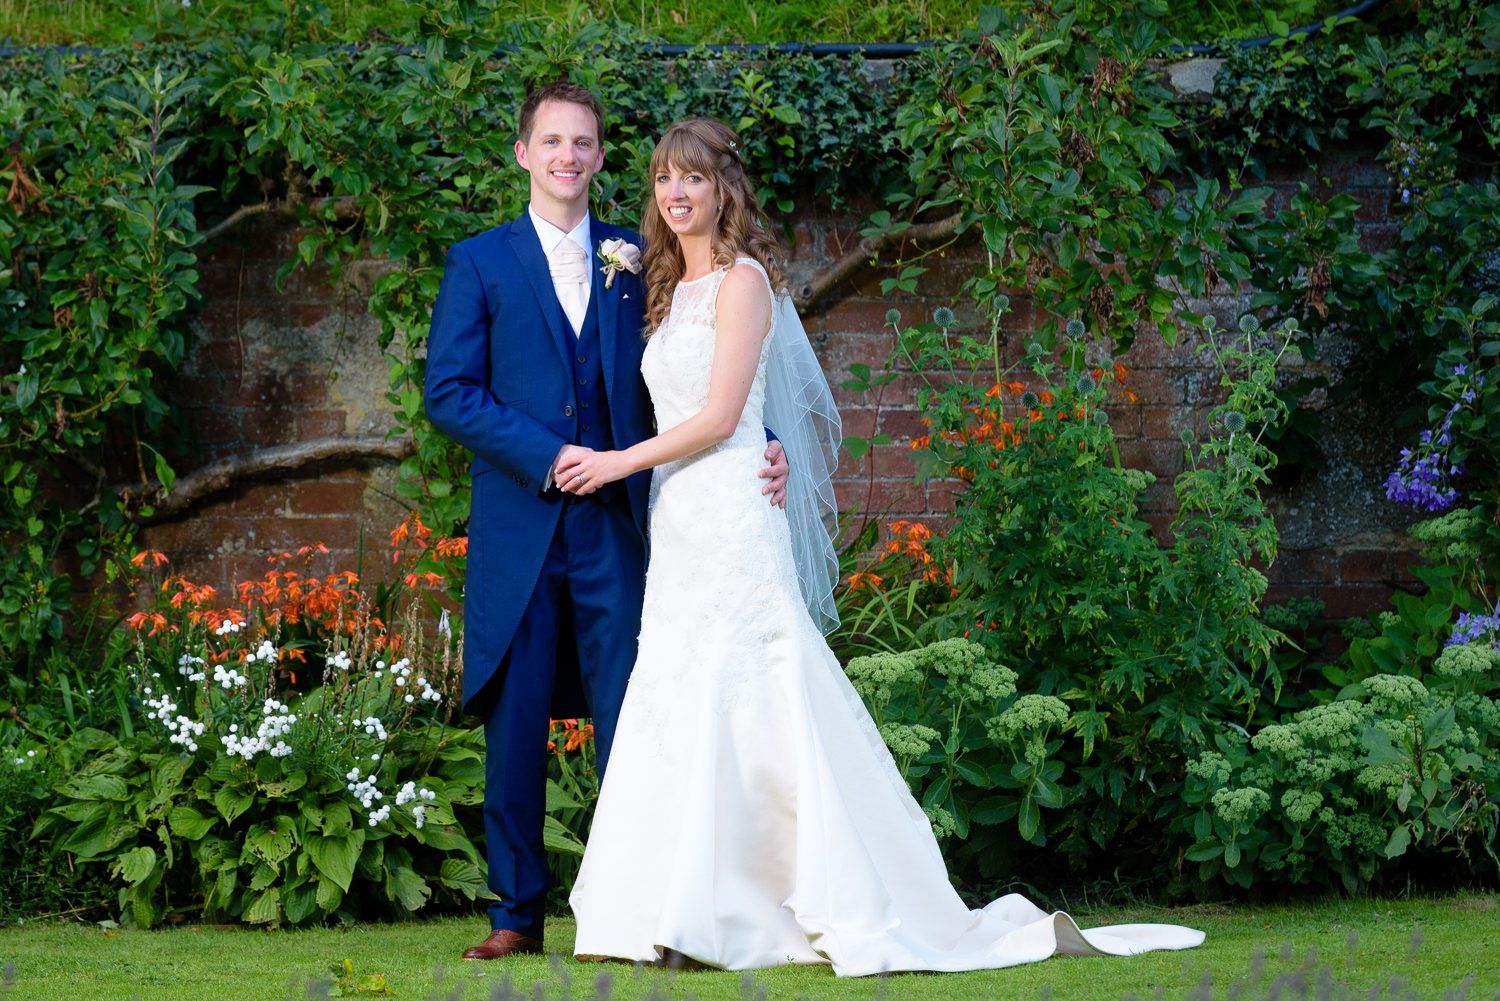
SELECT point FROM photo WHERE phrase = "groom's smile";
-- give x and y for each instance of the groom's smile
(562, 155)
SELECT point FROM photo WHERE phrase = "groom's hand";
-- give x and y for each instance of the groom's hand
(776, 472)
(568, 457)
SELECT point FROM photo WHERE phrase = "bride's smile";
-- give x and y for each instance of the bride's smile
(687, 201)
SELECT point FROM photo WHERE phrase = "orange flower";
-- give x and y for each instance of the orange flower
(430, 578)
(450, 547)
(411, 527)
(157, 621)
(866, 582)
(157, 558)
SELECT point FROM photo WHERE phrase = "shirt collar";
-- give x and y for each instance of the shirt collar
(550, 236)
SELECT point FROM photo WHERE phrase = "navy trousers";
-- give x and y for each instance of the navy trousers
(581, 623)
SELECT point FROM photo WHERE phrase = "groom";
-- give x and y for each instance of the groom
(534, 353)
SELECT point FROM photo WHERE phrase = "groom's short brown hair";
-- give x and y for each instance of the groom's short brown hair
(568, 93)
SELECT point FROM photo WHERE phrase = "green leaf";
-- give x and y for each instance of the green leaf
(557, 838)
(300, 902)
(1399, 842)
(559, 798)
(336, 856)
(189, 823)
(462, 875)
(266, 908)
(272, 841)
(1205, 850)
(404, 885)
(231, 801)
(136, 864)
(329, 895)
(95, 787)
(165, 473)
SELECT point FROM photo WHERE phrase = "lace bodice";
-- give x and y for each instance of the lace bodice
(680, 356)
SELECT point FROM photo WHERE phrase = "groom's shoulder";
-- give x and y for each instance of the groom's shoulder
(489, 237)
(608, 231)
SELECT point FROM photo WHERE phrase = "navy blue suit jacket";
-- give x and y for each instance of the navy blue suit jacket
(500, 382)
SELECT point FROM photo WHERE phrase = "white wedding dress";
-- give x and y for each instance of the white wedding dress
(751, 815)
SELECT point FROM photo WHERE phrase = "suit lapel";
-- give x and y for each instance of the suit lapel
(528, 250)
(608, 304)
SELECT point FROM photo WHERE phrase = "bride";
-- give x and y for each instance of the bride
(752, 816)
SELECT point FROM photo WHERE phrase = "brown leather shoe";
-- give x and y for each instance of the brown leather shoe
(504, 942)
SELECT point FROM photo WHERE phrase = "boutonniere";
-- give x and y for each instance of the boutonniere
(618, 255)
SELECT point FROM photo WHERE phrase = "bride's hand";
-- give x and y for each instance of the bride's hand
(583, 472)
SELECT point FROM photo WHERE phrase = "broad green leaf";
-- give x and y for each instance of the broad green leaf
(188, 822)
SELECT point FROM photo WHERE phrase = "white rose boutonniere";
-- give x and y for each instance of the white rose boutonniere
(618, 255)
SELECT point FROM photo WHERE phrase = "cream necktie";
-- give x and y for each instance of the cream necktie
(570, 277)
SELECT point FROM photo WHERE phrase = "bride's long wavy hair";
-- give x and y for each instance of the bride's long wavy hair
(709, 147)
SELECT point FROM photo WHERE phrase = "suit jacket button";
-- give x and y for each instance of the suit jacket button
(568, 411)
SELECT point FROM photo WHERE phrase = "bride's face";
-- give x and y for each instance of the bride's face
(687, 200)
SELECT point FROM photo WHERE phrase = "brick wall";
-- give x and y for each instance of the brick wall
(273, 366)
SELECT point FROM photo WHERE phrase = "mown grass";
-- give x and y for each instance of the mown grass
(1334, 949)
(106, 22)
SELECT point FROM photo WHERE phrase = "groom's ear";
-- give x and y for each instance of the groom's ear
(521, 154)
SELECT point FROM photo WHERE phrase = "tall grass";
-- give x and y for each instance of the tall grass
(110, 22)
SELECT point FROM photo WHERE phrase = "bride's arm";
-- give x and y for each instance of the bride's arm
(742, 317)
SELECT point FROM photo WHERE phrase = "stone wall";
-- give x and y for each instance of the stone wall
(272, 366)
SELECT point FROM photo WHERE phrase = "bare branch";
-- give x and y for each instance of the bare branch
(216, 476)
(870, 247)
(343, 208)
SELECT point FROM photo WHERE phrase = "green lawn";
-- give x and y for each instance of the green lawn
(1430, 945)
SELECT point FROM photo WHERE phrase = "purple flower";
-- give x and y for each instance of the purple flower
(1460, 368)
(1474, 629)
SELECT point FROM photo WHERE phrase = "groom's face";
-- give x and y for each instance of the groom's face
(562, 154)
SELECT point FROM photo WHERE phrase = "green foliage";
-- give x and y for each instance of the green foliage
(974, 752)
(1052, 139)
(97, 276)
(1340, 791)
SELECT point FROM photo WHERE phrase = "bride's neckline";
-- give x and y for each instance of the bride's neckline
(694, 281)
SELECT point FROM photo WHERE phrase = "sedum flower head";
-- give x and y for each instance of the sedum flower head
(1467, 660)
(1241, 806)
(1395, 694)
(1028, 714)
(908, 740)
(874, 676)
(941, 821)
(1300, 804)
(1211, 766)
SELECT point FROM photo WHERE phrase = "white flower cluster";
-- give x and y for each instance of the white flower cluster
(373, 726)
(363, 789)
(183, 730)
(22, 761)
(190, 666)
(410, 792)
(268, 736)
(340, 660)
(265, 653)
(227, 627)
(401, 674)
(228, 677)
